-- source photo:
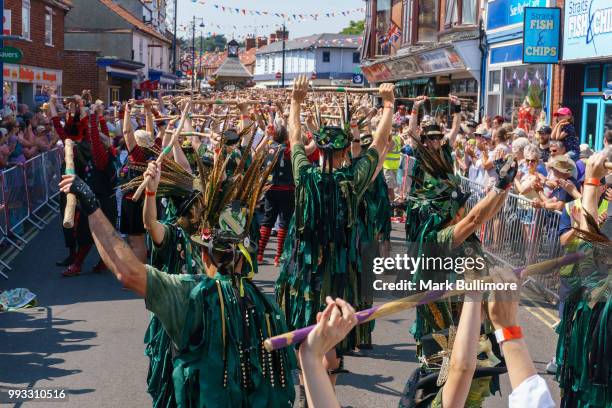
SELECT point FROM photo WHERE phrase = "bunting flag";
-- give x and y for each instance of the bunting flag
(294, 17)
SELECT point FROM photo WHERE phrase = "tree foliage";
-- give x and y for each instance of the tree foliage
(354, 28)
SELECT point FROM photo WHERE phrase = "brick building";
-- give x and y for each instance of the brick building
(40, 24)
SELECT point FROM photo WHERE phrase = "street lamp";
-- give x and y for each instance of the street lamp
(283, 73)
(193, 66)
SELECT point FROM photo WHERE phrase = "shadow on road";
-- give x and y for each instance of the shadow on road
(370, 382)
(32, 342)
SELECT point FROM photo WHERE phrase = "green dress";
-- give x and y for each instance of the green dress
(217, 327)
(175, 256)
(320, 257)
(584, 348)
(373, 224)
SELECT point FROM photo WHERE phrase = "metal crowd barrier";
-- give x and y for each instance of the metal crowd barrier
(26, 190)
(520, 235)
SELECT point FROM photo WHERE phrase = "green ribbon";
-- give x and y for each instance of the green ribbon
(218, 102)
(167, 150)
(251, 274)
(70, 172)
(340, 89)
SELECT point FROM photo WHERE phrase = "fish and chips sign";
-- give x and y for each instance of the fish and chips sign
(541, 35)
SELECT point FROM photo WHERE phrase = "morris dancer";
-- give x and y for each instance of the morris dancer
(320, 258)
(217, 324)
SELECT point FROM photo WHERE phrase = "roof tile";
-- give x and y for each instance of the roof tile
(133, 20)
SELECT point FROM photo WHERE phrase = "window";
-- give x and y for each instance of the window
(356, 58)
(407, 32)
(494, 93)
(383, 23)
(427, 30)
(49, 27)
(140, 50)
(326, 56)
(451, 15)
(593, 78)
(459, 12)
(25, 19)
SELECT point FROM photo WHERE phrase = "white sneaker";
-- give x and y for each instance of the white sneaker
(551, 367)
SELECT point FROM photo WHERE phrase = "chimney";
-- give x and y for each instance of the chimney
(249, 43)
(279, 35)
(272, 38)
(262, 41)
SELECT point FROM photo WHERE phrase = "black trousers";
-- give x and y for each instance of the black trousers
(278, 204)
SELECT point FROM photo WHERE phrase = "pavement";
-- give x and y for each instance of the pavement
(86, 336)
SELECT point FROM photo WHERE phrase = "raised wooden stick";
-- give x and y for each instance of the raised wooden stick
(70, 198)
(412, 301)
(224, 102)
(165, 151)
(342, 89)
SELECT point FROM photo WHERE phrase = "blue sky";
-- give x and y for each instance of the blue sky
(215, 16)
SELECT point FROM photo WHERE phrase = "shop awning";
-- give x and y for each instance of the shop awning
(459, 56)
(121, 73)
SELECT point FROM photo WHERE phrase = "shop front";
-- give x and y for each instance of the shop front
(587, 59)
(449, 68)
(512, 84)
(508, 83)
(31, 85)
(122, 78)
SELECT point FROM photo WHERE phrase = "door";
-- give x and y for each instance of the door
(590, 113)
(606, 120)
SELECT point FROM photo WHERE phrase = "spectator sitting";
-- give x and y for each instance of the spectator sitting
(564, 130)
(543, 138)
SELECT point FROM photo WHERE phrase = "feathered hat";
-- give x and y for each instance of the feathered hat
(439, 199)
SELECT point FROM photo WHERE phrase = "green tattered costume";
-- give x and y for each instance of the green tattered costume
(321, 257)
(174, 256)
(438, 199)
(373, 226)
(218, 333)
(584, 348)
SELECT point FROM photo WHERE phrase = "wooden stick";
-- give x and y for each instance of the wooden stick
(165, 151)
(433, 98)
(70, 198)
(412, 301)
(224, 102)
(198, 134)
(341, 89)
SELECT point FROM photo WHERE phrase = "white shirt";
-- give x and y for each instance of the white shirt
(531, 393)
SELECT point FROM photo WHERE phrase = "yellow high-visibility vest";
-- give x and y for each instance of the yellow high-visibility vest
(392, 160)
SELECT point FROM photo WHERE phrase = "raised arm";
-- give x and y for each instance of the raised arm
(149, 212)
(456, 104)
(414, 114)
(128, 131)
(382, 135)
(594, 171)
(114, 251)
(300, 88)
(486, 209)
(463, 357)
(333, 324)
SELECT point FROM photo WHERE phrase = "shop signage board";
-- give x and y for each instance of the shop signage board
(541, 35)
(10, 54)
(22, 73)
(439, 60)
(587, 31)
(6, 22)
(502, 13)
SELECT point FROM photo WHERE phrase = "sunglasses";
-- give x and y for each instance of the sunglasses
(434, 137)
(529, 161)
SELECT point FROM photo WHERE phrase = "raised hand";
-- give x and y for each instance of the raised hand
(300, 89)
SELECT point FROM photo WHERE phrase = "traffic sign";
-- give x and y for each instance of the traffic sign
(358, 79)
(278, 75)
(10, 54)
